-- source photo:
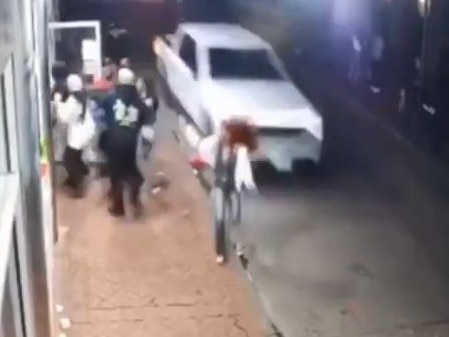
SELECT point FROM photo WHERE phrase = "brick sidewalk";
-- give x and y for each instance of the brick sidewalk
(156, 277)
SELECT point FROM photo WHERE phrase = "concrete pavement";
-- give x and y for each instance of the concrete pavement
(154, 277)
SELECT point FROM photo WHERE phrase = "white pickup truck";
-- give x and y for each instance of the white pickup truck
(222, 71)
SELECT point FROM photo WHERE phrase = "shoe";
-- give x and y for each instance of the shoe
(138, 210)
(220, 259)
(77, 194)
(118, 213)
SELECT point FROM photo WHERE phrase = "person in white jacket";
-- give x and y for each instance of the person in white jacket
(75, 114)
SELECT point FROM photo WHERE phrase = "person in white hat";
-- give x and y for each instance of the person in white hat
(75, 114)
(139, 81)
(127, 117)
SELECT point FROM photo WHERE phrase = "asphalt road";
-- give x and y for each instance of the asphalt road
(360, 249)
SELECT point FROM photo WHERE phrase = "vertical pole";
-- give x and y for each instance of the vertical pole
(99, 56)
(425, 15)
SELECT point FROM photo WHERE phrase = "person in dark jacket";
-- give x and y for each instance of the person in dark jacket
(118, 45)
(127, 119)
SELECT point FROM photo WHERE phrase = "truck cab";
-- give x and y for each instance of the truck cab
(222, 71)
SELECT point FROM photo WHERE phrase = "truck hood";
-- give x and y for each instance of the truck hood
(268, 104)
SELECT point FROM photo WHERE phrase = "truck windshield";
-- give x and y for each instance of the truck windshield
(245, 64)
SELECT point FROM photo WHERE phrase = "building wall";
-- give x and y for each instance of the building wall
(23, 45)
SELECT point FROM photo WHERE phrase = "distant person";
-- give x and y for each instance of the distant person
(377, 54)
(75, 114)
(355, 63)
(127, 118)
(109, 70)
(117, 43)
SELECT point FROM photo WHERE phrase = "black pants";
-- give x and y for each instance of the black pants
(120, 146)
(123, 171)
(134, 181)
(75, 167)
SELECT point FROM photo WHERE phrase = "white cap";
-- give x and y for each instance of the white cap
(124, 62)
(74, 83)
(126, 77)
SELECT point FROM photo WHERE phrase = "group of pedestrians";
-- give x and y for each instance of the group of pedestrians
(129, 116)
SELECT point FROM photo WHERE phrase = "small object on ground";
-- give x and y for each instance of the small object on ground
(65, 323)
(156, 190)
(198, 163)
(59, 308)
(239, 250)
(160, 182)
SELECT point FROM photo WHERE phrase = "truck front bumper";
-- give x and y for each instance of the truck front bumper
(283, 148)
